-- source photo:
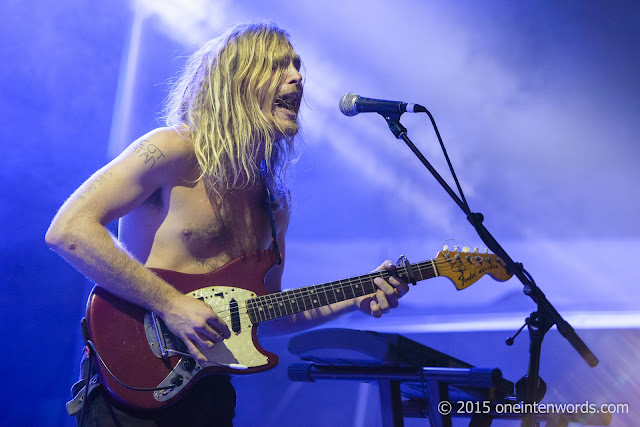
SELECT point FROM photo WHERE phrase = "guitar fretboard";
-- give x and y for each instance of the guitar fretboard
(280, 304)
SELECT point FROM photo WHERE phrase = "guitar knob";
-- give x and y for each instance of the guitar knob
(189, 364)
(177, 380)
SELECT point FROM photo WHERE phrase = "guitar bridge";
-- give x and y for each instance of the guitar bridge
(162, 342)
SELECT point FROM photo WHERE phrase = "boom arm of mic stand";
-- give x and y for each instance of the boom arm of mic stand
(545, 308)
(400, 132)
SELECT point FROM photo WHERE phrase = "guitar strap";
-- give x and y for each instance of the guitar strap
(271, 201)
(274, 226)
(88, 381)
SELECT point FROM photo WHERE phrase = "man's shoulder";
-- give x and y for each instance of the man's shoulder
(162, 155)
(176, 141)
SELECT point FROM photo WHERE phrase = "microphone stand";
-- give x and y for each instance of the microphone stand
(540, 321)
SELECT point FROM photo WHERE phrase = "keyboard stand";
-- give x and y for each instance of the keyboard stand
(436, 382)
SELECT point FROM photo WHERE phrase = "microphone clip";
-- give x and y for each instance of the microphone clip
(393, 120)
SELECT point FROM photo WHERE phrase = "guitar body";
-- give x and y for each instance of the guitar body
(125, 335)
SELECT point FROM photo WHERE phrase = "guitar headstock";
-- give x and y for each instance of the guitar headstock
(464, 268)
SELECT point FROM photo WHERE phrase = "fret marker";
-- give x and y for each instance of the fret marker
(337, 290)
(312, 291)
(357, 286)
(315, 301)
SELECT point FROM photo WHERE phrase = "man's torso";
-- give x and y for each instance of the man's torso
(188, 227)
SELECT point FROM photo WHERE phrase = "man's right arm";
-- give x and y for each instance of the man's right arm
(78, 234)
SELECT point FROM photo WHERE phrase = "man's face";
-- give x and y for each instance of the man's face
(287, 100)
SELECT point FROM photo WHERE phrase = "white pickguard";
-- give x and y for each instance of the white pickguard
(236, 352)
(239, 348)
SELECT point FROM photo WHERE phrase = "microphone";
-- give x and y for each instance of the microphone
(352, 104)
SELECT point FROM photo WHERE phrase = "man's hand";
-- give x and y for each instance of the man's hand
(387, 295)
(195, 323)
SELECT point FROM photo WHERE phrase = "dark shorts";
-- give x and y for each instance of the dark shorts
(210, 402)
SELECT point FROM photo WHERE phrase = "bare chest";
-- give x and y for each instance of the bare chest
(200, 232)
(235, 223)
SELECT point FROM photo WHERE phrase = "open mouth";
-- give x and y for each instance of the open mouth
(289, 101)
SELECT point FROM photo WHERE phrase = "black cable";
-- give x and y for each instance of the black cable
(120, 382)
(446, 156)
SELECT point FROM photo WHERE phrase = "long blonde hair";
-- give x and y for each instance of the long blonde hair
(219, 96)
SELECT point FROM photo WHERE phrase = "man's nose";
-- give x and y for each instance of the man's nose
(294, 76)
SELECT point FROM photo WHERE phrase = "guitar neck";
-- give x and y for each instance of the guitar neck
(280, 304)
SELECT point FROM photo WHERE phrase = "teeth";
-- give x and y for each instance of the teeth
(288, 101)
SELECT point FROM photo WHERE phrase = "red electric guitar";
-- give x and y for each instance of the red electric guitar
(143, 365)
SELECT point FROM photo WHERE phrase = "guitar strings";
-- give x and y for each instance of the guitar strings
(277, 299)
(301, 293)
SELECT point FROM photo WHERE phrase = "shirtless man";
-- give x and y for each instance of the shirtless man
(191, 197)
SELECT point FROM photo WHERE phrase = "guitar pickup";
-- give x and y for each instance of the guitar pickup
(235, 316)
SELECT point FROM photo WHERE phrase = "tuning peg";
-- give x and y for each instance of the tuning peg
(445, 248)
(455, 248)
(475, 250)
(466, 249)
